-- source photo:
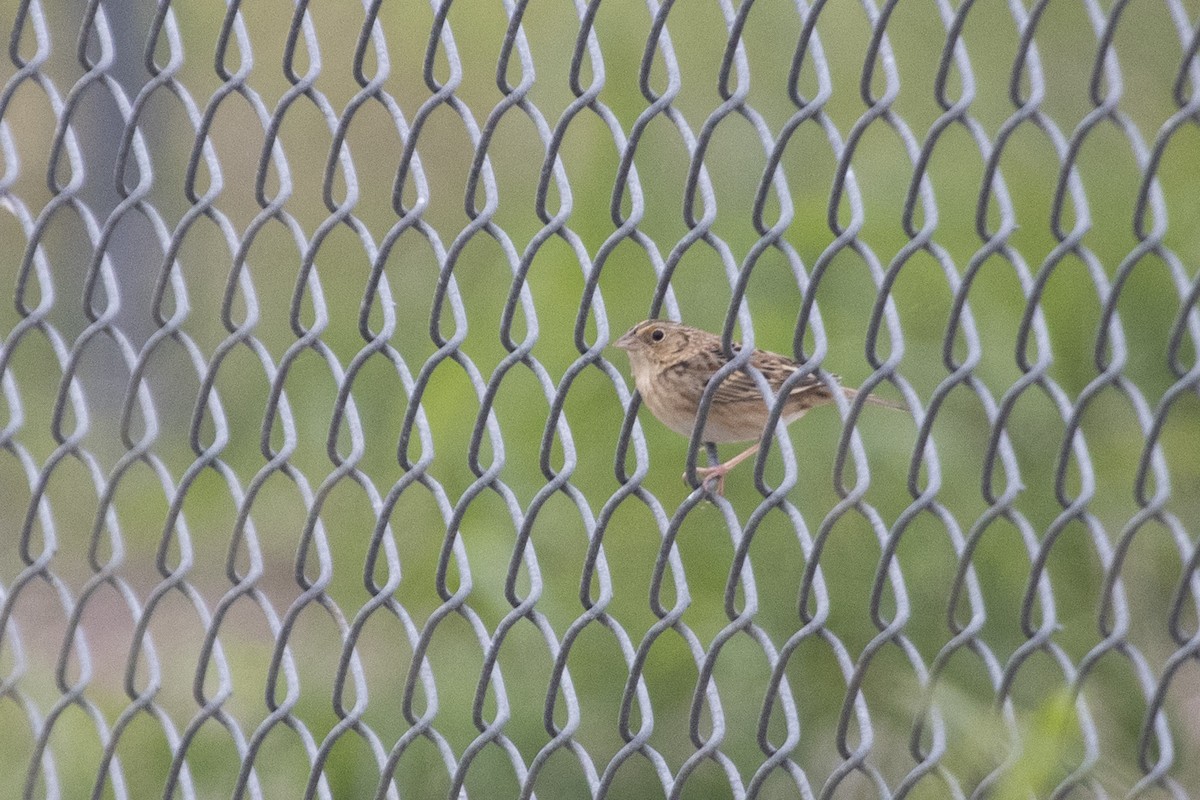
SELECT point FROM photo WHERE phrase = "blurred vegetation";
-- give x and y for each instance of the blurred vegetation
(974, 732)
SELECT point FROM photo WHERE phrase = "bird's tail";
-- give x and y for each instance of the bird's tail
(875, 400)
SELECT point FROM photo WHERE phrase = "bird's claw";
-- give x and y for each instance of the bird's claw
(709, 474)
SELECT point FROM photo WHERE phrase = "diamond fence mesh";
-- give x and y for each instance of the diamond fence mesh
(321, 479)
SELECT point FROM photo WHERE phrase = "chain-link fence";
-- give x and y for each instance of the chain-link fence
(322, 479)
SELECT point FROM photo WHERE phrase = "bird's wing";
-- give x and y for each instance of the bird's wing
(739, 387)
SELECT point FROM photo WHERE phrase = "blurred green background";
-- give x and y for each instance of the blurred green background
(36, 665)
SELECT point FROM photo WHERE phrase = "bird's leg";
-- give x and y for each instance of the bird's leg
(719, 472)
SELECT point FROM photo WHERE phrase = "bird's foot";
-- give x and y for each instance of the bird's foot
(714, 475)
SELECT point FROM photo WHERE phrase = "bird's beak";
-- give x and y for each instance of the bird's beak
(626, 342)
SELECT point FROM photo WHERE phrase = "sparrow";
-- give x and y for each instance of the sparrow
(672, 365)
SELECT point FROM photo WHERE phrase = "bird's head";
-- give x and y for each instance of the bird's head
(655, 342)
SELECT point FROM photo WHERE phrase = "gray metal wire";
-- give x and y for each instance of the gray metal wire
(99, 620)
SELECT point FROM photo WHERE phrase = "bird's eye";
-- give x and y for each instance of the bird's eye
(657, 334)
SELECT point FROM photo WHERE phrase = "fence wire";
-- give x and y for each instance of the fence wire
(322, 479)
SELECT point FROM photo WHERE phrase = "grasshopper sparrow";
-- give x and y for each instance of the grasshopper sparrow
(673, 363)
